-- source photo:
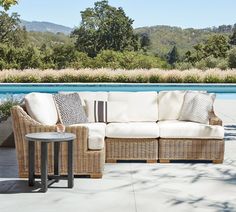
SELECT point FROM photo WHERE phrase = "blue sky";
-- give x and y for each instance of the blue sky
(183, 13)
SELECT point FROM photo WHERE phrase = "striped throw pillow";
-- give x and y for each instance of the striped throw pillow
(97, 111)
(103, 111)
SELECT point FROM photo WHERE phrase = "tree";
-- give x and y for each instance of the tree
(145, 41)
(10, 30)
(232, 39)
(216, 45)
(105, 28)
(232, 58)
(63, 55)
(6, 4)
(173, 56)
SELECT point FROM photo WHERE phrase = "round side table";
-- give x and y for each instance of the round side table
(46, 138)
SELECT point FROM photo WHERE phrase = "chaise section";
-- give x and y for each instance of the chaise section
(180, 140)
(86, 162)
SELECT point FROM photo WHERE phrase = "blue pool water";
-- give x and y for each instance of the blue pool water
(223, 91)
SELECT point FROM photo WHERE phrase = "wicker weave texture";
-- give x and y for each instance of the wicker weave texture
(131, 149)
(85, 162)
(190, 149)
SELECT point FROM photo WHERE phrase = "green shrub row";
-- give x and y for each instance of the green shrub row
(66, 56)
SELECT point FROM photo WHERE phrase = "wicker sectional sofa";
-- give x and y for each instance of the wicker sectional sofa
(149, 131)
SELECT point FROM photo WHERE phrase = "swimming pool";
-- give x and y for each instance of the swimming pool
(223, 91)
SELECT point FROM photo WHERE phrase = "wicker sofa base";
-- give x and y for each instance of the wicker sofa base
(191, 149)
(131, 149)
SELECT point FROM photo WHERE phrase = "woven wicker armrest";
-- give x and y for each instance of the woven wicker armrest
(214, 120)
(19, 115)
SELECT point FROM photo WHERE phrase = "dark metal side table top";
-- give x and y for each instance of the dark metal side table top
(50, 137)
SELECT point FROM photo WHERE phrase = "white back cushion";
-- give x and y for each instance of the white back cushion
(90, 96)
(93, 96)
(41, 107)
(117, 111)
(103, 111)
(170, 104)
(141, 106)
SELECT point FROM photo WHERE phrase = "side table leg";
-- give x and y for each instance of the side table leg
(57, 159)
(44, 166)
(70, 165)
(31, 161)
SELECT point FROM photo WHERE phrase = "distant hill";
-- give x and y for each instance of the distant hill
(37, 26)
(163, 38)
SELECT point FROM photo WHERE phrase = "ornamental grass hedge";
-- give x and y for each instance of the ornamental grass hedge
(118, 76)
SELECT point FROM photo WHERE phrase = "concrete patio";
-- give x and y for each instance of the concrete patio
(134, 187)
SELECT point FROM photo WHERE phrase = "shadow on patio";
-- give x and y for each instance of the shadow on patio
(17, 186)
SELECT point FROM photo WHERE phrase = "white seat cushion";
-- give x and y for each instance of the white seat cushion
(41, 107)
(141, 106)
(96, 135)
(132, 130)
(184, 129)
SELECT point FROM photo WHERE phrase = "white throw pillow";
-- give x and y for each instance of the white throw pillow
(170, 104)
(41, 107)
(196, 107)
(103, 111)
(141, 106)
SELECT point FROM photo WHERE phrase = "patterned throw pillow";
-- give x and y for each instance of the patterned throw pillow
(70, 109)
(196, 107)
(103, 111)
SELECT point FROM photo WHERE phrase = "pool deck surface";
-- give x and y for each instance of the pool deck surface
(134, 187)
